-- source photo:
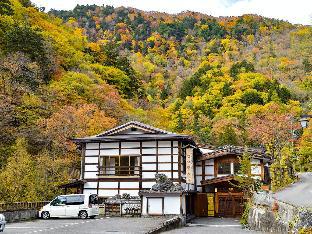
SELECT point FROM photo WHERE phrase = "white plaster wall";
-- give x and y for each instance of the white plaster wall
(175, 158)
(110, 145)
(129, 185)
(91, 159)
(150, 175)
(149, 151)
(147, 184)
(107, 193)
(130, 144)
(90, 185)
(91, 168)
(109, 152)
(164, 166)
(144, 205)
(108, 184)
(164, 150)
(149, 158)
(130, 151)
(164, 158)
(92, 145)
(175, 151)
(172, 205)
(91, 152)
(90, 175)
(155, 206)
(148, 167)
(88, 191)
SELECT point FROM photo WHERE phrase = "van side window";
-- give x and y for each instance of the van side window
(75, 200)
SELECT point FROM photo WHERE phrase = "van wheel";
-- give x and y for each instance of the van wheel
(45, 215)
(83, 214)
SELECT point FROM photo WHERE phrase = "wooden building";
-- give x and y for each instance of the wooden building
(125, 159)
(215, 171)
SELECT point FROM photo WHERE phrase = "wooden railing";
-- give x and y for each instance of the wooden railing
(22, 206)
(119, 171)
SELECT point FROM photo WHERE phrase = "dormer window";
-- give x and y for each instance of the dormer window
(133, 129)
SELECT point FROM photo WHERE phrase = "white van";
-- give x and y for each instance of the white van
(74, 205)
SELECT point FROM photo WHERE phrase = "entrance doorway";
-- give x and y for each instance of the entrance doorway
(222, 204)
(204, 204)
(229, 204)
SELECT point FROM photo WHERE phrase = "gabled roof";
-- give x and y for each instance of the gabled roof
(133, 124)
(235, 150)
(134, 131)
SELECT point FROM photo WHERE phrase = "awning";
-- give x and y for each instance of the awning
(217, 180)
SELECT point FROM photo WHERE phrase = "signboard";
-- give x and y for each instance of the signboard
(189, 166)
(210, 198)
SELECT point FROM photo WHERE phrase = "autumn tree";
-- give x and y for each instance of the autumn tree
(273, 127)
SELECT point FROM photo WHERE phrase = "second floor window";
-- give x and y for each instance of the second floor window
(228, 167)
(224, 168)
(123, 165)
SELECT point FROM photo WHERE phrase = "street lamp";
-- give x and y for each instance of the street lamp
(304, 120)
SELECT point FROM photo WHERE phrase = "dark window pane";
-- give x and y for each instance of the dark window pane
(224, 168)
(236, 168)
(75, 200)
(124, 165)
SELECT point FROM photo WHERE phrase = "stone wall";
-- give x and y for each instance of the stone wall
(269, 215)
(20, 215)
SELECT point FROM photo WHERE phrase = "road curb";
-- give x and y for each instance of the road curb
(169, 224)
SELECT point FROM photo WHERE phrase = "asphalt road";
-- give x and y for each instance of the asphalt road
(88, 226)
(299, 193)
(213, 225)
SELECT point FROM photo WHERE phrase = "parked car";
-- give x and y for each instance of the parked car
(74, 205)
(2, 222)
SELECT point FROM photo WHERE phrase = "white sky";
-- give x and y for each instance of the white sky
(294, 11)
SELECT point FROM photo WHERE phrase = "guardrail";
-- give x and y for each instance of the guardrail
(22, 206)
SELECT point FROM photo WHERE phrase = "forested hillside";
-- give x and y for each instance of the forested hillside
(232, 80)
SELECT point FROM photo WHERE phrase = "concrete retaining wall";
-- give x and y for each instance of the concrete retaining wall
(20, 215)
